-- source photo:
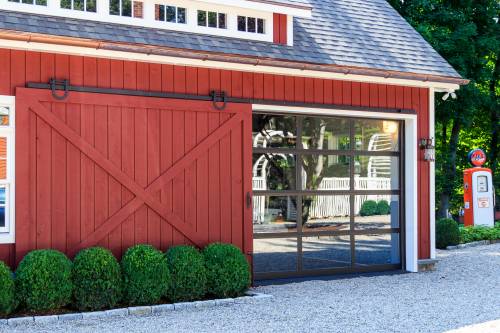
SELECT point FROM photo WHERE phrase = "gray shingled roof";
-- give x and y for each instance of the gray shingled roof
(357, 33)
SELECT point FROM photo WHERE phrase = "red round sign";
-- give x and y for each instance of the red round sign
(477, 157)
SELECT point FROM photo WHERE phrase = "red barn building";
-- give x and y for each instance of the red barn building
(290, 128)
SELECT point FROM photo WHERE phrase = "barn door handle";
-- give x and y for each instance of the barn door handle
(219, 97)
(249, 200)
(53, 86)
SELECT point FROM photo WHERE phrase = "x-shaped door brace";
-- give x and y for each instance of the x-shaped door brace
(142, 195)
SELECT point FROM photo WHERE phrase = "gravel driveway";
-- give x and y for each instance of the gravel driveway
(465, 290)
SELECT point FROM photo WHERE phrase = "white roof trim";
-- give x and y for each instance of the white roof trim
(263, 6)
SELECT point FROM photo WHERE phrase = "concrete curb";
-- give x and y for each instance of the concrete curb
(471, 244)
(135, 311)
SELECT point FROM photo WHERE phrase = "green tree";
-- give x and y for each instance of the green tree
(467, 34)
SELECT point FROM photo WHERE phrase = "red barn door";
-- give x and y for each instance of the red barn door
(114, 171)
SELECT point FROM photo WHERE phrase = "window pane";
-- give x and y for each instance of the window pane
(325, 172)
(260, 26)
(91, 6)
(14, 0)
(212, 19)
(159, 12)
(325, 213)
(222, 21)
(274, 131)
(274, 172)
(242, 23)
(41, 2)
(376, 173)
(78, 4)
(275, 255)
(274, 214)
(376, 212)
(66, 4)
(326, 252)
(114, 7)
(325, 133)
(3, 158)
(181, 15)
(171, 14)
(251, 24)
(2, 207)
(377, 249)
(126, 8)
(202, 18)
(376, 135)
(28, 1)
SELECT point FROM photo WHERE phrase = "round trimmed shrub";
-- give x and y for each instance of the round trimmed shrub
(447, 233)
(43, 280)
(228, 271)
(368, 208)
(145, 274)
(97, 279)
(7, 289)
(383, 207)
(189, 277)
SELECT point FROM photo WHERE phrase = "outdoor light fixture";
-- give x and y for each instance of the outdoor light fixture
(448, 94)
(427, 145)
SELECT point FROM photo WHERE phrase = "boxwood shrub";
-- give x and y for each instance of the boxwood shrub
(7, 290)
(189, 278)
(447, 233)
(478, 233)
(97, 279)
(383, 207)
(368, 208)
(146, 275)
(43, 280)
(228, 272)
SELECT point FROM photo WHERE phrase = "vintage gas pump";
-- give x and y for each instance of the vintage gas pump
(479, 195)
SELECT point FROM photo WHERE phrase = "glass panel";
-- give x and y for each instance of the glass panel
(325, 133)
(326, 252)
(126, 8)
(30, 2)
(212, 19)
(171, 14)
(66, 4)
(3, 158)
(78, 5)
(160, 12)
(251, 24)
(376, 212)
(2, 207)
(376, 173)
(325, 213)
(376, 135)
(274, 131)
(242, 23)
(377, 249)
(91, 6)
(114, 7)
(260, 26)
(41, 2)
(202, 18)
(181, 15)
(274, 172)
(274, 214)
(325, 172)
(14, 0)
(222, 21)
(275, 255)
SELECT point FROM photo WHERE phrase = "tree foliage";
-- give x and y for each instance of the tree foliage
(467, 34)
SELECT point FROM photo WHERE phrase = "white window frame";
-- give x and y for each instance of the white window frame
(256, 24)
(84, 7)
(217, 13)
(7, 233)
(176, 13)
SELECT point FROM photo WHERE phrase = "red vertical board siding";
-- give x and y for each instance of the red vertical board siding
(276, 28)
(283, 29)
(117, 134)
(280, 29)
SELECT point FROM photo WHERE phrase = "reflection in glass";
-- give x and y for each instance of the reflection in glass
(91, 6)
(325, 172)
(325, 133)
(242, 23)
(212, 19)
(376, 135)
(376, 173)
(274, 131)
(325, 213)
(78, 5)
(66, 4)
(181, 15)
(274, 214)
(376, 212)
(202, 18)
(127, 8)
(323, 252)
(222, 21)
(377, 249)
(171, 14)
(275, 255)
(251, 24)
(274, 172)
(260, 26)
(2, 207)
(114, 7)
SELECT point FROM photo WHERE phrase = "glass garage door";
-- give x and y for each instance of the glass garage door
(327, 195)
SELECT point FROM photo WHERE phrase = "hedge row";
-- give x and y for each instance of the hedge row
(371, 207)
(448, 233)
(46, 280)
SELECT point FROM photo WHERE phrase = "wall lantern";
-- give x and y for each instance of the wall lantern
(427, 145)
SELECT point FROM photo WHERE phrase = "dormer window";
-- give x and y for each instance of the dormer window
(212, 19)
(82, 5)
(251, 24)
(31, 2)
(170, 14)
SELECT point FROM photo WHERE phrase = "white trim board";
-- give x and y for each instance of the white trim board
(432, 178)
(151, 58)
(411, 171)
